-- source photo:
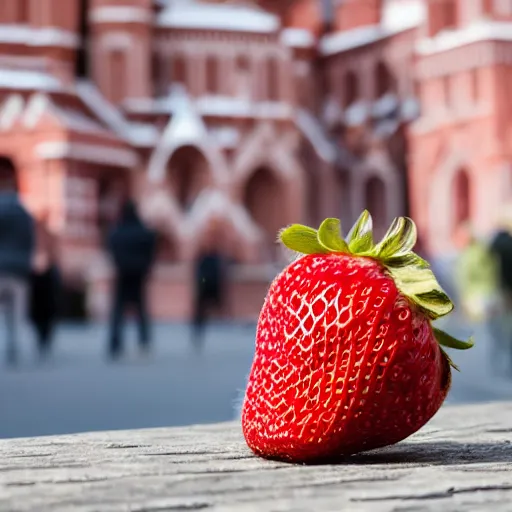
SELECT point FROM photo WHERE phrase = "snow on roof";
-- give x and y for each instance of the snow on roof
(72, 119)
(350, 39)
(297, 38)
(226, 136)
(478, 31)
(410, 109)
(313, 131)
(397, 16)
(11, 110)
(138, 134)
(119, 14)
(385, 105)
(95, 153)
(194, 14)
(34, 36)
(332, 112)
(28, 80)
(229, 106)
(357, 113)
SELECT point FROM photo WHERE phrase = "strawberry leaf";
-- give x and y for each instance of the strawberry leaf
(360, 237)
(406, 260)
(399, 240)
(329, 236)
(421, 287)
(301, 239)
(446, 340)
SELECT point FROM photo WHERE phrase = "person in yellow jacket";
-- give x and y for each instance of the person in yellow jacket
(476, 278)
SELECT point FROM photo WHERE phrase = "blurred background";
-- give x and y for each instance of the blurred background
(151, 149)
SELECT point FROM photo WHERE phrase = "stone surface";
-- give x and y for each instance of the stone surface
(460, 461)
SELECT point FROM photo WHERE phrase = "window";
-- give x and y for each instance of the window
(375, 199)
(117, 75)
(82, 58)
(273, 80)
(21, 11)
(179, 70)
(462, 199)
(160, 74)
(449, 14)
(446, 90)
(212, 75)
(351, 87)
(474, 85)
(383, 80)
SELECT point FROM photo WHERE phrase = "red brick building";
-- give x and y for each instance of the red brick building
(254, 115)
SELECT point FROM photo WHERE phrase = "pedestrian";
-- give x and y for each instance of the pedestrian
(45, 287)
(501, 323)
(132, 246)
(209, 278)
(16, 249)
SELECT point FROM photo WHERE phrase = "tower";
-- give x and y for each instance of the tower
(460, 172)
(120, 51)
(50, 31)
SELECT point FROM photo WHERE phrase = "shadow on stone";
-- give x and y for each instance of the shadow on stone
(441, 453)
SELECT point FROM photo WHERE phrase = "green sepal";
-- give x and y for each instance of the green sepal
(399, 239)
(330, 236)
(302, 239)
(446, 340)
(449, 359)
(421, 286)
(360, 237)
(410, 259)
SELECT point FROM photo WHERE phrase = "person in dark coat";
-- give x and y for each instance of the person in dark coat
(16, 249)
(501, 327)
(209, 278)
(45, 287)
(501, 247)
(132, 246)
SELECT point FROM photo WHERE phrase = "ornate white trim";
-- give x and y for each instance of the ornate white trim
(186, 128)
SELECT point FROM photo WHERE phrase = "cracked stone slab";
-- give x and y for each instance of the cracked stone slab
(461, 461)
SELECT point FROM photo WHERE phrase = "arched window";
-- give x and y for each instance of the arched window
(351, 88)
(449, 13)
(188, 174)
(212, 75)
(273, 82)
(474, 84)
(375, 199)
(8, 177)
(263, 198)
(22, 11)
(179, 70)
(447, 90)
(118, 78)
(383, 80)
(462, 198)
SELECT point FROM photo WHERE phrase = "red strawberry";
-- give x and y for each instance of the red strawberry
(346, 357)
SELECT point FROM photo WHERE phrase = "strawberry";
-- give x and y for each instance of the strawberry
(347, 359)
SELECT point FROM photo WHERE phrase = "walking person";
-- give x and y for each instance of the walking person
(501, 323)
(45, 287)
(209, 278)
(16, 249)
(132, 246)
